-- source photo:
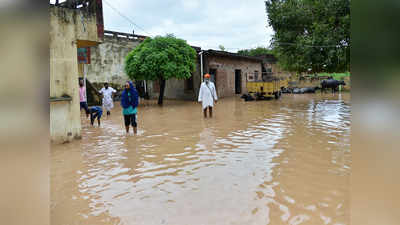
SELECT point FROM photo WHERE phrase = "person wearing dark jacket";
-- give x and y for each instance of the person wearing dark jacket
(129, 103)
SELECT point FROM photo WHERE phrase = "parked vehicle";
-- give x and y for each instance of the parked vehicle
(265, 89)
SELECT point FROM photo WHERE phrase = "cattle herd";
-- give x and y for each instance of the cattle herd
(325, 85)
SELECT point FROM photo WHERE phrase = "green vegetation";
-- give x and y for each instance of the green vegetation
(161, 58)
(259, 51)
(311, 35)
(336, 76)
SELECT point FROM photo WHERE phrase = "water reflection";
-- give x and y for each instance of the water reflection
(268, 162)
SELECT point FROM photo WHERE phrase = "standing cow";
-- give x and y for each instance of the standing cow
(334, 84)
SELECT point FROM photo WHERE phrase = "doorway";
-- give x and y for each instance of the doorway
(238, 81)
(213, 76)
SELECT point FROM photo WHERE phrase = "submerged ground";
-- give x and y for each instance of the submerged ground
(267, 162)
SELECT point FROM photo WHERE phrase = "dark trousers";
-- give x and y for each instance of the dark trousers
(85, 106)
(94, 116)
(130, 120)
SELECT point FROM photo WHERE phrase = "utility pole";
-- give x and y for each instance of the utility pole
(201, 65)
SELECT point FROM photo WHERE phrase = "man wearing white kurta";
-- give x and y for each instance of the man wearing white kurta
(207, 95)
(108, 103)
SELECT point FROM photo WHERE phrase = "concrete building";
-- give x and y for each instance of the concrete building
(73, 25)
(108, 58)
(179, 89)
(107, 62)
(230, 71)
(271, 67)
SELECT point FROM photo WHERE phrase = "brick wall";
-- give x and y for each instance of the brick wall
(225, 77)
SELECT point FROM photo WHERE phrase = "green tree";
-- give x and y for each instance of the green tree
(221, 47)
(161, 58)
(311, 35)
(259, 51)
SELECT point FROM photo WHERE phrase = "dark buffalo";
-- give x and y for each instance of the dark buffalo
(286, 90)
(333, 84)
(296, 91)
(309, 89)
(304, 90)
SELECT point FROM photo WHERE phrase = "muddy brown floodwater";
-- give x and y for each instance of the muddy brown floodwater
(267, 162)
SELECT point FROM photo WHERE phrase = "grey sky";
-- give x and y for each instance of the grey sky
(235, 24)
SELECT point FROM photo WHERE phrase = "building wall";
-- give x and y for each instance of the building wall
(225, 76)
(177, 89)
(67, 27)
(276, 70)
(108, 60)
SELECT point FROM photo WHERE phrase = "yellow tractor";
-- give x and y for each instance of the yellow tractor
(266, 88)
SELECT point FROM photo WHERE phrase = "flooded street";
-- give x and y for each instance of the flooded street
(266, 162)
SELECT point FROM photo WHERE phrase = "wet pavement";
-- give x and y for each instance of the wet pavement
(266, 162)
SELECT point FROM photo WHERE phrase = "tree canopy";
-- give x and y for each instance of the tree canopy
(259, 51)
(161, 58)
(311, 35)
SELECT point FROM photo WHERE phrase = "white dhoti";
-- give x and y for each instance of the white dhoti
(108, 103)
(207, 94)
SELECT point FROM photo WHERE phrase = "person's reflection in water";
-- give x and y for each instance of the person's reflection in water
(207, 137)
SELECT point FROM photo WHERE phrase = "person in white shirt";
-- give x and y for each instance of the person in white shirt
(207, 95)
(107, 93)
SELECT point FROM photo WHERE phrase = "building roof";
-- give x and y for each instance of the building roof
(211, 52)
(269, 58)
(109, 33)
(198, 49)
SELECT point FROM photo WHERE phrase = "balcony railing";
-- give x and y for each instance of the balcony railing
(108, 33)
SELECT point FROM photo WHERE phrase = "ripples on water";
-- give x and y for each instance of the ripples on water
(268, 162)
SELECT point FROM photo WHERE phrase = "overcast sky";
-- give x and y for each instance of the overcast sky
(235, 24)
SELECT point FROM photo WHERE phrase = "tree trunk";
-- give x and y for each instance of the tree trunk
(162, 88)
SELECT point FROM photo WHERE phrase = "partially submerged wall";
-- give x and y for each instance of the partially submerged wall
(108, 62)
(68, 28)
(179, 89)
(225, 73)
